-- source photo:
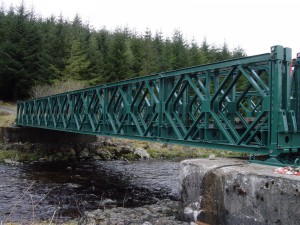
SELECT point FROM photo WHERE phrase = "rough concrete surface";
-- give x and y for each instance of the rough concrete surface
(230, 191)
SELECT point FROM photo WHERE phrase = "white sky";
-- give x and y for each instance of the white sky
(254, 25)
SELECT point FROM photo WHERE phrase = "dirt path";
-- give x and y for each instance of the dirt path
(8, 109)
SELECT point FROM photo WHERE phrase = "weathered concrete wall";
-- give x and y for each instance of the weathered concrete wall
(36, 135)
(228, 191)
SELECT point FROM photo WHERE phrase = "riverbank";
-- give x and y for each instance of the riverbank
(164, 212)
(32, 144)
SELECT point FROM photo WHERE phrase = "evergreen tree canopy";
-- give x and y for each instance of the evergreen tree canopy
(40, 51)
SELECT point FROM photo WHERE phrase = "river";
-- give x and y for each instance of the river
(64, 190)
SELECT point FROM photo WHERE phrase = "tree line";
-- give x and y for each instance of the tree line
(42, 51)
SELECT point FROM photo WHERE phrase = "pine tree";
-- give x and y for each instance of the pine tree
(204, 52)
(59, 45)
(159, 47)
(77, 64)
(238, 53)
(96, 68)
(119, 63)
(194, 54)
(149, 65)
(137, 49)
(24, 61)
(179, 51)
(168, 55)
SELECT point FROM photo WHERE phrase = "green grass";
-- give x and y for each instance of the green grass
(17, 155)
(164, 151)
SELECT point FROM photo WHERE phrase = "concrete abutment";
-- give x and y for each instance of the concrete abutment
(226, 191)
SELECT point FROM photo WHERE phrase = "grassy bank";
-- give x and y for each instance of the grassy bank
(7, 114)
(170, 151)
(6, 119)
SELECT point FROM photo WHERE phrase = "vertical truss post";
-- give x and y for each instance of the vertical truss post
(286, 90)
(129, 127)
(105, 123)
(296, 75)
(185, 107)
(160, 106)
(232, 111)
(207, 95)
(277, 57)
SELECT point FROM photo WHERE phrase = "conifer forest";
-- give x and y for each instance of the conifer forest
(45, 51)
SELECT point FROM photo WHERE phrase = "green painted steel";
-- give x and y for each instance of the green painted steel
(247, 105)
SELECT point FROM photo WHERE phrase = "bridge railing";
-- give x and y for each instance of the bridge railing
(249, 105)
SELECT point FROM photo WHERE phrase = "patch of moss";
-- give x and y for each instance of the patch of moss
(17, 155)
(129, 156)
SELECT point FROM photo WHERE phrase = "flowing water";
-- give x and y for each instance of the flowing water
(63, 191)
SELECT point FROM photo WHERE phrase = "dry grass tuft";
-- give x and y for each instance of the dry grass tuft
(6, 119)
(57, 88)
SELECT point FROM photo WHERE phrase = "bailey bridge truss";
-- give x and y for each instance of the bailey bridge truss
(250, 105)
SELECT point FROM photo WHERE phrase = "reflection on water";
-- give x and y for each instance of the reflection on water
(64, 190)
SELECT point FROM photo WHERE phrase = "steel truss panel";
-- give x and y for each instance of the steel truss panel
(247, 105)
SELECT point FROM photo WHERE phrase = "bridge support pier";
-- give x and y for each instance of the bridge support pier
(226, 191)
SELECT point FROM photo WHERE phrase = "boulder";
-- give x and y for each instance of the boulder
(142, 153)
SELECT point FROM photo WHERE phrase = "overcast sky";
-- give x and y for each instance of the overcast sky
(254, 25)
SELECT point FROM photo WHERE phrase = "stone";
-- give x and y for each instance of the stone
(11, 162)
(147, 223)
(170, 147)
(104, 154)
(109, 142)
(123, 149)
(164, 145)
(84, 153)
(212, 156)
(108, 203)
(59, 155)
(137, 216)
(142, 153)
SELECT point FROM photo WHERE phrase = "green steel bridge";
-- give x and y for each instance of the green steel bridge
(249, 105)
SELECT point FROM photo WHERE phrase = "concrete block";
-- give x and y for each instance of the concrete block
(230, 191)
